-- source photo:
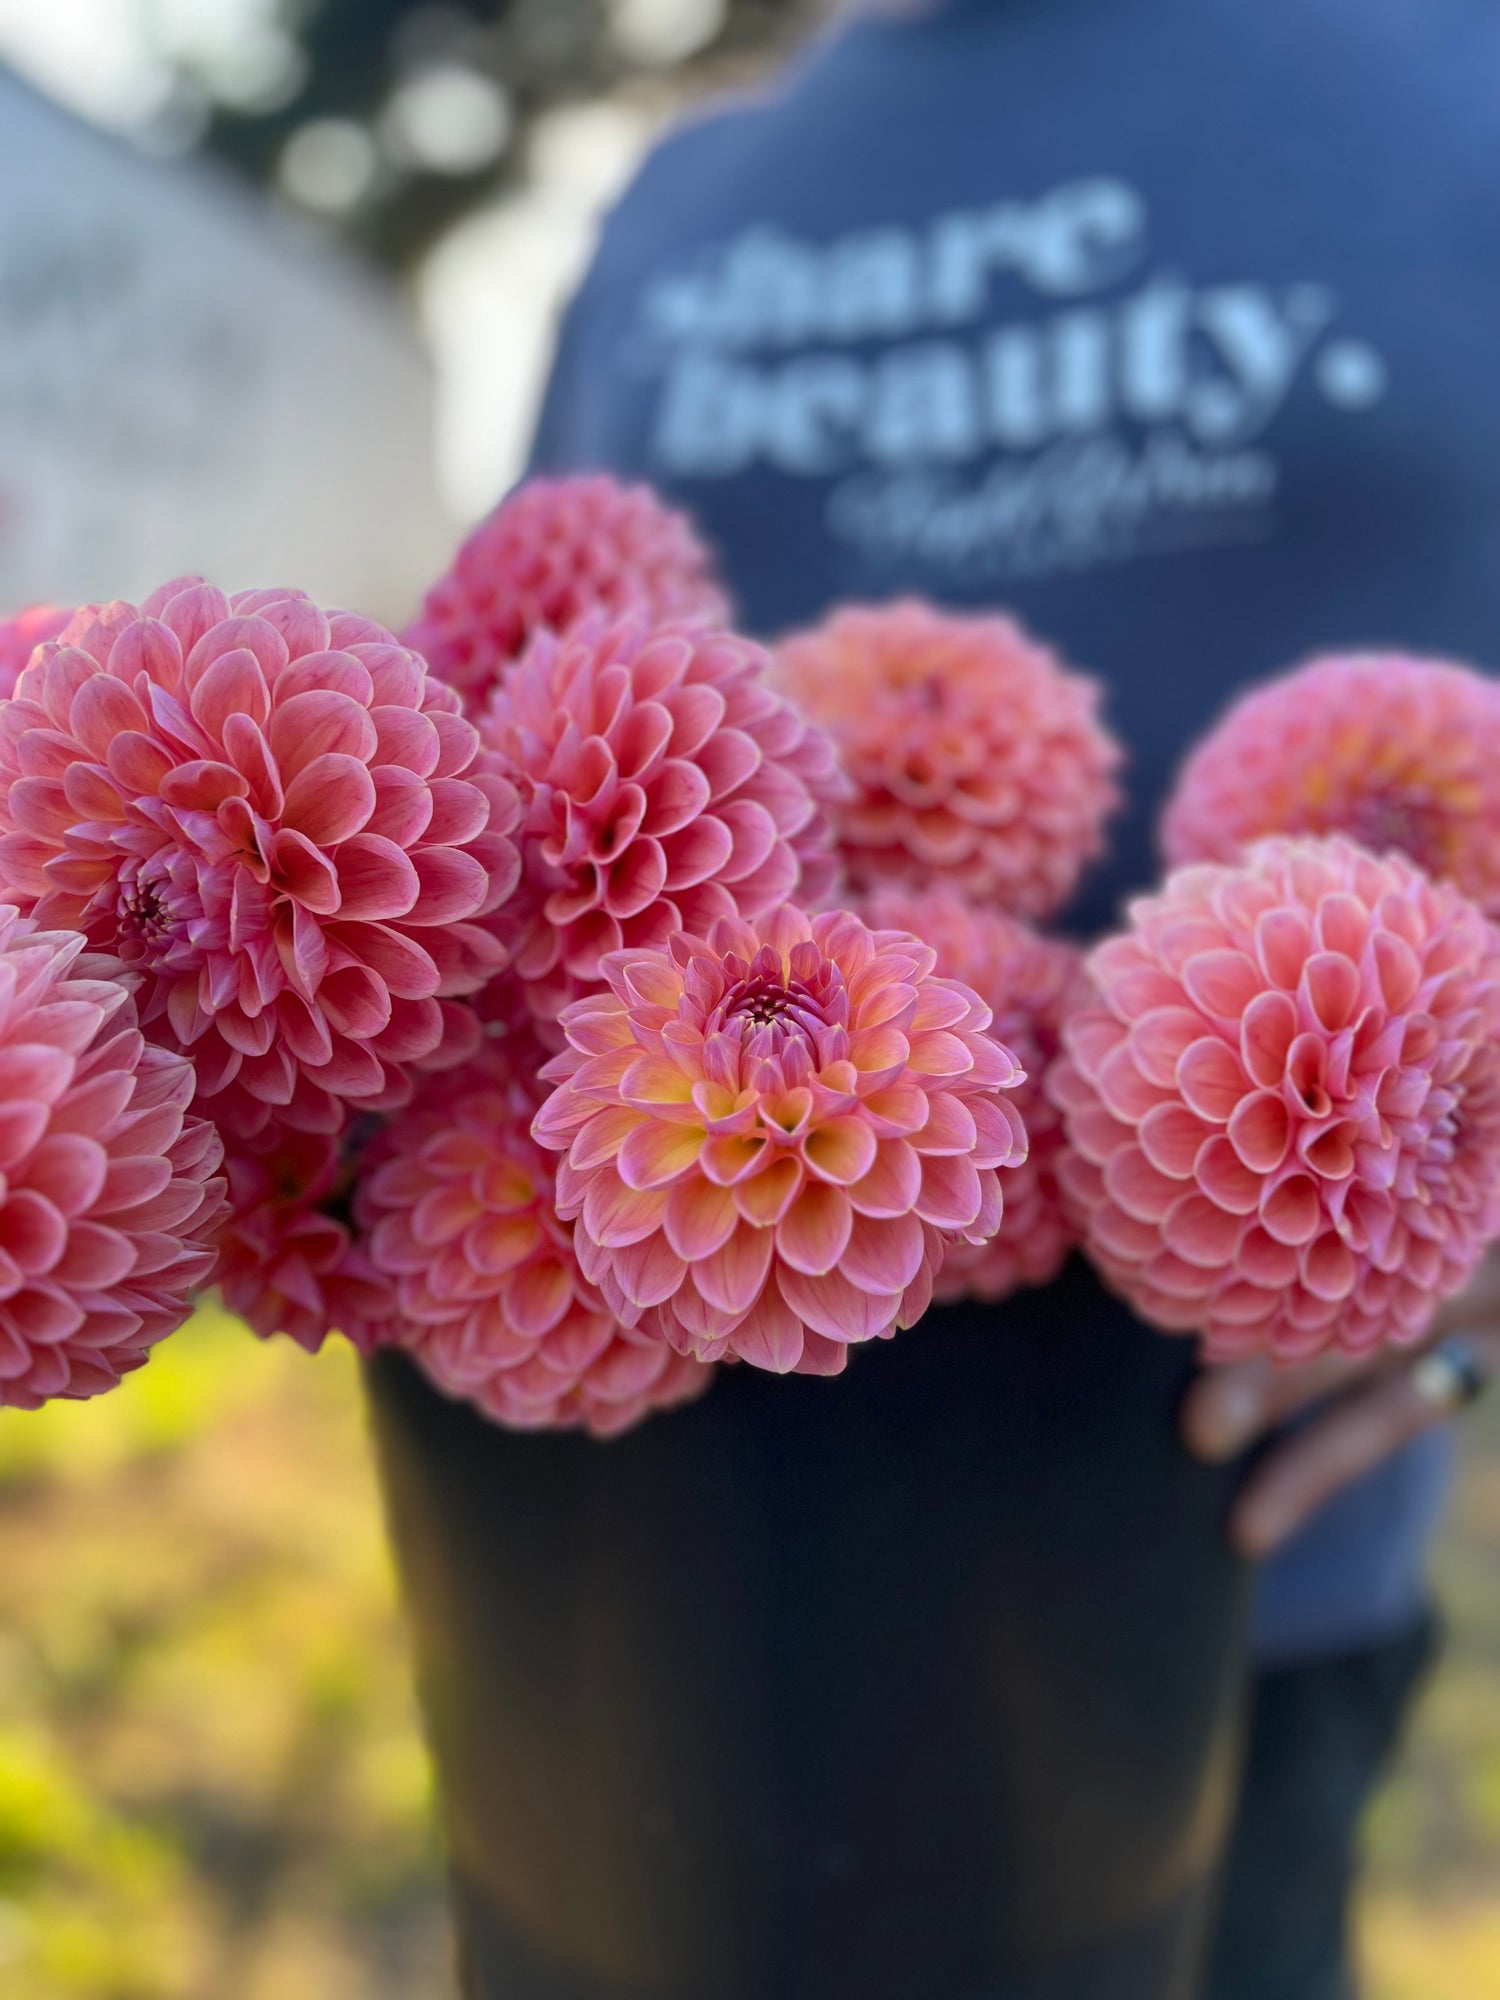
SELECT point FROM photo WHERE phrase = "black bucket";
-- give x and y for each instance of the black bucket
(921, 1684)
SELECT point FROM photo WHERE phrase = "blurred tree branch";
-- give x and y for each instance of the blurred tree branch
(404, 163)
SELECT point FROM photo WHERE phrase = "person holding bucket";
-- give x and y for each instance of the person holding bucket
(1166, 328)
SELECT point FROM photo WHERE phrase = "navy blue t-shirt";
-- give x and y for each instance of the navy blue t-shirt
(1173, 326)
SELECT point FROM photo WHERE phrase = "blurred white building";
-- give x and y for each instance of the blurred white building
(189, 382)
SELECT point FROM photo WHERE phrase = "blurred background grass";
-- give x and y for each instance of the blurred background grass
(211, 1777)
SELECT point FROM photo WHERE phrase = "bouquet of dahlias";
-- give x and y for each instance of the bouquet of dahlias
(576, 996)
(529, 992)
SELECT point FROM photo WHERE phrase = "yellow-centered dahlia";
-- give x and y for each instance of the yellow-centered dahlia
(772, 1134)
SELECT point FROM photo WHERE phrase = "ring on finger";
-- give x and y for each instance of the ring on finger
(1451, 1377)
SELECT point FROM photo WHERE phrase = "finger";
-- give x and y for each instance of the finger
(1229, 1406)
(1356, 1435)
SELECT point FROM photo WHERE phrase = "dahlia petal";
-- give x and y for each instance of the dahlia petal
(731, 1277)
(893, 1182)
(1202, 1234)
(330, 799)
(700, 1217)
(1211, 1080)
(821, 1356)
(652, 1154)
(765, 1197)
(832, 1306)
(951, 1192)
(1222, 983)
(843, 1151)
(538, 1296)
(34, 1071)
(1138, 1187)
(883, 1257)
(1289, 1209)
(814, 1233)
(615, 1215)
(1330, 988)
(771, 1336)
(1172, 1138)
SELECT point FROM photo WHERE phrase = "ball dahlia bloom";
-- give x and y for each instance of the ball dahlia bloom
(287, 1262)
(976, 757)
(109, 1191)
(663, 784)
(554, 551)
(1284, 1107)
(458, 1203)
(1394, 751)
(20, 636)
(772, 1135)
(279, 819)
(1030, 984)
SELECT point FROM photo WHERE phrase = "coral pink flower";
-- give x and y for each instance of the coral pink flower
(1030, 984)
(286, 1263)
(459, 1203)
(109, 1190)
(976, 757)
(663, 785)
(20, 636)
(280, 818)
(554, 551)
(772, 1135)
(1285, 1107)
(1393, 751)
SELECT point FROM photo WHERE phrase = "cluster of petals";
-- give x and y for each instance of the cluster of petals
(664, 784)
(770, 1136)
(21, 634)
(1391, 750)
(976, 757)
(109, 1189)
(549, 555)
(281, 821)
(458, 1205)
(287, 1261)
(1030, 983)
(1284, 1107)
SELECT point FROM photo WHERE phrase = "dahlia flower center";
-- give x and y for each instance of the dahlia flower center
(1410, 821)
(152, 926)
(760, 1003)
(777, 1004)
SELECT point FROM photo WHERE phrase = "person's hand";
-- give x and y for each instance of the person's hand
(1366, 1409)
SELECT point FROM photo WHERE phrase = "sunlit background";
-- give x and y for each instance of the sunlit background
(211, 1778)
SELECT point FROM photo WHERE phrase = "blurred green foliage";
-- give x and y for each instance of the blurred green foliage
(211, 1777)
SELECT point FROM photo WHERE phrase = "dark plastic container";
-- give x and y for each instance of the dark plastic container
(923, 1684)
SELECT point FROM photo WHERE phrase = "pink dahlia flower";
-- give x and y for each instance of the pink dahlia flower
(1393, 751)
(772, 1136)
(20, 636)
(279, 818)
(1030, 984)
(459, 1205)
(109, 1190)
(976, 757)
(1284, 1109)
(663, 785)
(554, 551)
(286, 1261)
